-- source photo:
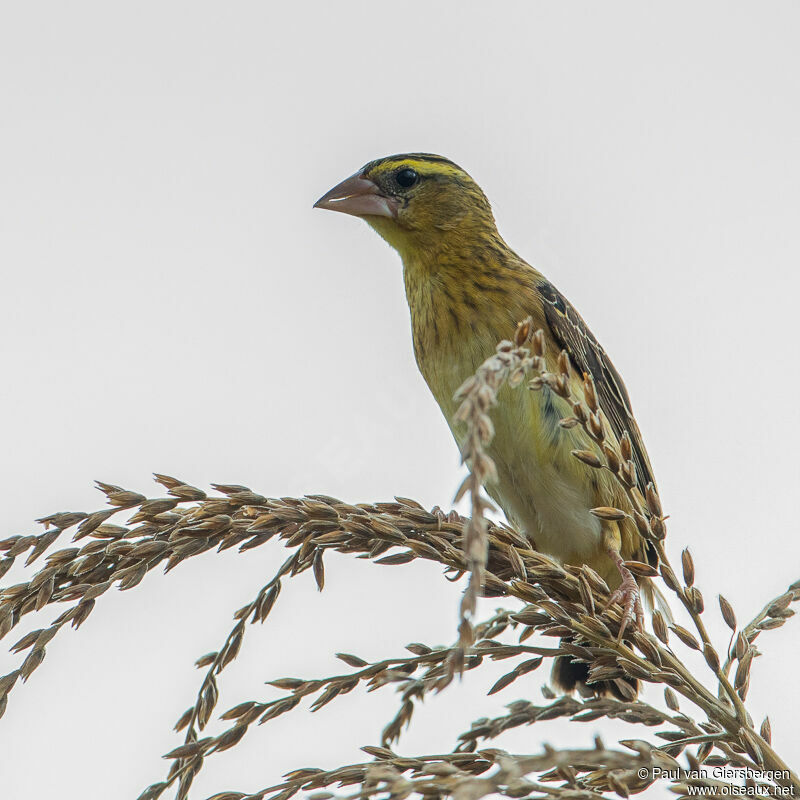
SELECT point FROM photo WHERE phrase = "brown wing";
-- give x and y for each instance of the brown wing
(573, 335)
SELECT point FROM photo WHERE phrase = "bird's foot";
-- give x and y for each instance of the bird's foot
(627, 594)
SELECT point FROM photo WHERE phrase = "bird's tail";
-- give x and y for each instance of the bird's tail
(569, 676)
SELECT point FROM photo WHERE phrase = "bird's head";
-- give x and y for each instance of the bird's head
(413, 201)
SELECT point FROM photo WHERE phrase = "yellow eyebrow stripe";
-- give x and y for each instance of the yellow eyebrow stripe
(432, 167)
(423, 165)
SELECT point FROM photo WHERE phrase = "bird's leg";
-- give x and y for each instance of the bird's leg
(626, 594)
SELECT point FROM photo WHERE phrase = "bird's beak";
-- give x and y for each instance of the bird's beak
(360, 197)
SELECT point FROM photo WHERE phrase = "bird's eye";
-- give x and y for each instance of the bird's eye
(406, 177)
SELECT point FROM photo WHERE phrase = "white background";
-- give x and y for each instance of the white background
(170, 302)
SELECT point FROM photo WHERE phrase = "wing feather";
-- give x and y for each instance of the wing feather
(572, 334)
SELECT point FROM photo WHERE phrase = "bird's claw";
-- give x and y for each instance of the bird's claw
(627, 594)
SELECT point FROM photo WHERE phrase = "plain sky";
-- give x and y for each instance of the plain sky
(171, 303)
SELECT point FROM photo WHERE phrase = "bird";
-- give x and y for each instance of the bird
(467, 290)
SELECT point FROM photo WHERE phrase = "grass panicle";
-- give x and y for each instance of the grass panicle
(547, 610)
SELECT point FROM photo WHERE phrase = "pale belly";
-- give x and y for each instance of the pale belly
(551, 506)
(543, 490)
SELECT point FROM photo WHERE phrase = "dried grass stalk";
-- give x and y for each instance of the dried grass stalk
(552, 610)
